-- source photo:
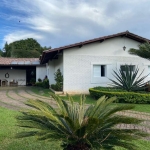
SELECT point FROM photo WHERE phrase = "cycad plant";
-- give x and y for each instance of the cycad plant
(128, 79)
(78, 126)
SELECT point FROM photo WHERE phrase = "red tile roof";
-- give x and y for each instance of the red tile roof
(19, 61)
(49, 54)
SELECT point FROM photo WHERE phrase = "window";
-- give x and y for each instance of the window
(132, 67)
(99, 70)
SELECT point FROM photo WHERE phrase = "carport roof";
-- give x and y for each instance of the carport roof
(19, 61)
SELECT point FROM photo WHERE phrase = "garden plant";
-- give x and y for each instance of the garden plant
(78, 126)
(128, 79)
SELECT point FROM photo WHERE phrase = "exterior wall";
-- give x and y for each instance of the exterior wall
(40, 72)
(78, 63)
(52, 67)
(17, 75)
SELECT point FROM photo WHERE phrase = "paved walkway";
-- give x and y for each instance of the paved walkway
(15, 97)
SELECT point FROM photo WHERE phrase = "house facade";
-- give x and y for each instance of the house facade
(91, 63)
(20, 71)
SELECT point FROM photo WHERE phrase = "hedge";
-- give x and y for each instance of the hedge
(122, 97)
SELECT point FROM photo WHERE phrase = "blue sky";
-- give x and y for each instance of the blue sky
(57, 23)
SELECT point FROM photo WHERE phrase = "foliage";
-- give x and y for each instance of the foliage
(143, 51)
(44, 84)
(113, 89)
(1, 53)
(59, 81)
(128, 79)
(33, 80)
(122, 97)
(28, 48)
(79, 127)
(39, 80)
(39, 84)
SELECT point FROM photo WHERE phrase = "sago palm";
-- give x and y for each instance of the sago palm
(78, 126)
(128, 79)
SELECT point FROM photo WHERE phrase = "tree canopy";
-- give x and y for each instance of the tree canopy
(143, 51)
(28, 48)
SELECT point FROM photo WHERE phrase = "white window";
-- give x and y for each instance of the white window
(132, 67)
(99, 70)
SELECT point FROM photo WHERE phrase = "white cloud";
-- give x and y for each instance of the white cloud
(18, 35)
(60, 22)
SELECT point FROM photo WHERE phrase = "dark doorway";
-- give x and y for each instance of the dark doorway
(30, 76)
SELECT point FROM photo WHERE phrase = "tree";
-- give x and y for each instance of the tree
(28, 48)
(143, 51)
(78, 126)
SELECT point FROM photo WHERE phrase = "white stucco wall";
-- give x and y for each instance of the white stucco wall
(53, 66)
(14, 74)
(78, 63)
(41, 72)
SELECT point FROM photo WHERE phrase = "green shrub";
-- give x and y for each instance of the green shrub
(45, 83)
(59, 81)
(39, 80)
(55, 87)
(33, 80)
(122, 97)
(39, 84)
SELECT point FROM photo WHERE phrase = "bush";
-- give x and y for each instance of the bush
(39, 80)
(46, 84)
(122, 96)
(59, 81)
(39, 84)
(33, 80)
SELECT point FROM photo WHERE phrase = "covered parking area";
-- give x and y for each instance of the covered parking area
(20, 71)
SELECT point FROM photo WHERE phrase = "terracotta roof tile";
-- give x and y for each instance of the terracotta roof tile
(49, 54)
(17, 61)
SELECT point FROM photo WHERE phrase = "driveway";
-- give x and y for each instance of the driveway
(15, 97)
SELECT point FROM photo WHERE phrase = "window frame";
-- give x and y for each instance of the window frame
(101, 74)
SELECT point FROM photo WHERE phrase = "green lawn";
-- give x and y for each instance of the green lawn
(8, 130)
(90, 100)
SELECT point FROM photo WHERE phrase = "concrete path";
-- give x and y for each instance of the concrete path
(15, 97)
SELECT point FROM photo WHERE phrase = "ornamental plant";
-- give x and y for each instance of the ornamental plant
(78, 126)
(128, 79)
(59, 81)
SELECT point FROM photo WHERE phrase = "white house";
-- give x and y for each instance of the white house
(20, 70)
(90, 63)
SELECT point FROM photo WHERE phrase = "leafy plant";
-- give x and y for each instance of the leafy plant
(39, 80)
(45, 84)
(78, 126)
(122, 96)
(143, 51)
(59, 81)
(128, 79)
(33, 80)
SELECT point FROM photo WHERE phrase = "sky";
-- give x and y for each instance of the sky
(58, 23)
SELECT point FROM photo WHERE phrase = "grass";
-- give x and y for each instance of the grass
(8, 130)
(91, 100)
